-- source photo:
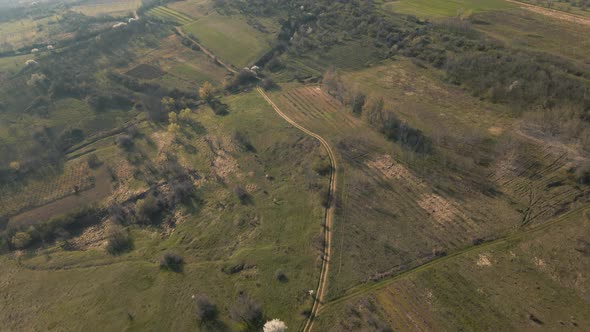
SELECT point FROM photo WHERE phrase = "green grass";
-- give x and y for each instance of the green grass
(108, 7)
(168, 14)
(275, 232)
(231, 38)
(444, 8)
(535, 32)
(501, 286)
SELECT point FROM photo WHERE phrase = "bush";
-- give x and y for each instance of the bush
(322, 167)
(206, 311)
(268, 84)
(125, 142)
(583, 174)
(118, 240)
(21, 240)
(93, 161)
(147, 209)
(247, 311)
(243, 142)
(281, 276)
(242, 195)
(171, 262)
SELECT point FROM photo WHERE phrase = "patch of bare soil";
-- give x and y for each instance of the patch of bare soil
(484, 260)
(496, 131)
(393, 170)
(163, 140)
(438, 208)
(92, 237)
(252, 188)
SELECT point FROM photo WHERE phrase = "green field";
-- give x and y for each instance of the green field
(274, 232)
(169, 15)
(517, 284)
(108, 7)
(445, 8)
(523, 29)
(231, 38)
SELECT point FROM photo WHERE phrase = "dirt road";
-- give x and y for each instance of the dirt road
(323, 281)
(558, 14)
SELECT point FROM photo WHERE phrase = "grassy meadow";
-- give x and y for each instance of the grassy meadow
(441, 8)
(274, 232)
(231, 38)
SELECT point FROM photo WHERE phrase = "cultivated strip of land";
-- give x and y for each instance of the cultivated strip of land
(558, 14)
(321, 289)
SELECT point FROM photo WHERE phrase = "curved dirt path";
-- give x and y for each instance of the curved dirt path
(323, 281)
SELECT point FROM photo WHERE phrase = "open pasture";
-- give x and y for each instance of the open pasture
(231, 38)
(113, 8)
(445, 8)
(528, 281)
(169, 15)
(414, 218)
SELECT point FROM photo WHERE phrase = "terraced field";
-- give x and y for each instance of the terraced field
(169, 15)
(108, 7)
(39, 192)
(411, 223)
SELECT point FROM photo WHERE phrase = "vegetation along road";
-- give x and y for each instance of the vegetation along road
(321, 289)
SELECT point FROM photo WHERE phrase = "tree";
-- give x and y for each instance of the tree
(172, 117)
(274, 325)
(171, 262)
(118, 240)
(206, 311)
(185, 114)
(358, 101)
(21, 240)
(246, 310)
(206, 91)
(173, 128)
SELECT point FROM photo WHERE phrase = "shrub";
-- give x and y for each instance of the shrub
(268, 84)
(322, 167)
(171, 262)
(243, 142)
(21, 240)
(281, 276)
(242, 195)
(247, 311)
(583, 174)
(125, 142)
(206, 311)
(93, 161)
(147, 209)
(118, 240)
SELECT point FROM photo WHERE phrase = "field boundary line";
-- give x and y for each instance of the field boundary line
(365, 288)
(205, 50)
(329, 215)
(554, 13)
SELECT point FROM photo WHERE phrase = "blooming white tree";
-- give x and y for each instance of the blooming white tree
(274, 325)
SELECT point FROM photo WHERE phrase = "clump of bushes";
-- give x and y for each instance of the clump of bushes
(118, 240)
(171, 262)
(242, 195)
(246, 310)
(281, 276)
(125, 142)
(93, 161)
(205, 310)
(148, 209)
